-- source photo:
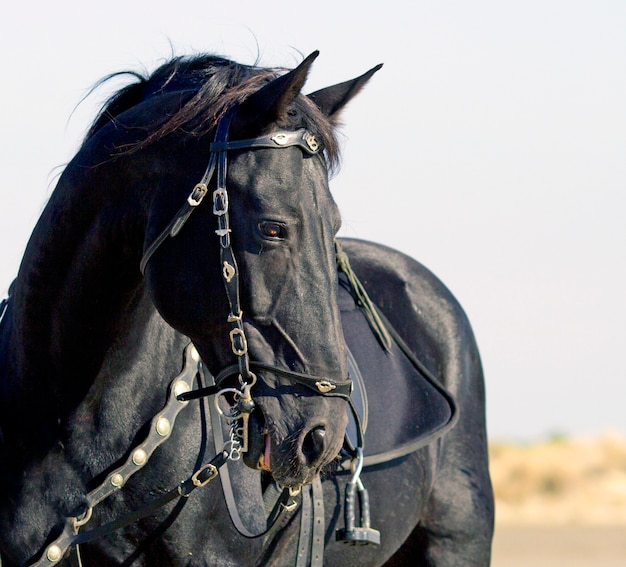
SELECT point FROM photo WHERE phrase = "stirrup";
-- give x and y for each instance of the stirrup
(363, 533)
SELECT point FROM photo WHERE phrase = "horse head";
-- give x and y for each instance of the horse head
(252, 278)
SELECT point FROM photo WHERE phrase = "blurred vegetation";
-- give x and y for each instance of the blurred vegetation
(560, 481)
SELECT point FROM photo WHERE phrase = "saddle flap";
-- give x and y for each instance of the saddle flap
(401, 406)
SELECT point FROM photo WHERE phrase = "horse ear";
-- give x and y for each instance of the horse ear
(269, 104)
(332, 100)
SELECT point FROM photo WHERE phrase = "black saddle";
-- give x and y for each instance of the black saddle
(422, 409)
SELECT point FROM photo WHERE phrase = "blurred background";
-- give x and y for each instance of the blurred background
(491, 147)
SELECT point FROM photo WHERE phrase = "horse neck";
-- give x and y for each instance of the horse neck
(50, 455)
(78, 290)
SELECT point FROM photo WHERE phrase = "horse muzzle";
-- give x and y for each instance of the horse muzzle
(293, 452)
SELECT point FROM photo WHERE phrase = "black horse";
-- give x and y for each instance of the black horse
(143, 255)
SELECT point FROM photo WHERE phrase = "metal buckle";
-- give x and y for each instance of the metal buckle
(290, 506)
(311, 141)
(198, 193)
(80, 521)
(228, 271)
(220, 202)
(241, 349)
(234, 317)
(196, 480)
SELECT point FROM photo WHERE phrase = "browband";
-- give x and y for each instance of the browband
(281, 139)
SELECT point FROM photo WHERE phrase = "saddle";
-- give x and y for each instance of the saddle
(422, 410)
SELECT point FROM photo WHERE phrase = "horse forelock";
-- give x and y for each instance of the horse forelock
(208, 86)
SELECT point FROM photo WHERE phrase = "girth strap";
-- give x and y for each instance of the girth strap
(312, 527)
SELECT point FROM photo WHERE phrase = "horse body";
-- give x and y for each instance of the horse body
(448, 480)
(89, 345)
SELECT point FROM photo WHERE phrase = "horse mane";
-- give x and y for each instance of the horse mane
(208, 86)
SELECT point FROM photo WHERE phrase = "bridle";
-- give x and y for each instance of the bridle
(180, 391)
(218, 160)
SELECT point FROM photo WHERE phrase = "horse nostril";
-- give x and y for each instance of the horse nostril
(313, 445)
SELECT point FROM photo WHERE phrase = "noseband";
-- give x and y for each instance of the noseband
(218, 160)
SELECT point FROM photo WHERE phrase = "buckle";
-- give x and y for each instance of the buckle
(238, 342)
(220, 202)
(197, 481)
(198, 193)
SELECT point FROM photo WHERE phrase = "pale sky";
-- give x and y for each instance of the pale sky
(491, 147)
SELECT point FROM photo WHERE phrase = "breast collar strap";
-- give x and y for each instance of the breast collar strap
(160, 430)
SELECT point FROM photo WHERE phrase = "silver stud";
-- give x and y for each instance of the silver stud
(54, 553)
(140, 457)
(163, 427)
(193, 352)
(117, 480)
(180, 388)
(324, 386)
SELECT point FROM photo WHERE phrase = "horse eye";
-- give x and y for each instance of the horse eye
(273, 230)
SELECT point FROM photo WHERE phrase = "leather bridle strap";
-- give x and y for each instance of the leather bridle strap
(320, 385)
(230, 270)
(194, 200)
(282, 139)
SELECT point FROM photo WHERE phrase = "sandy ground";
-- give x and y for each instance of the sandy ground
(565, 546)
(561, 482)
